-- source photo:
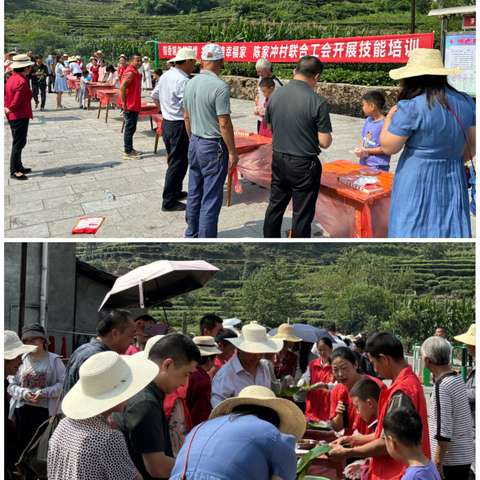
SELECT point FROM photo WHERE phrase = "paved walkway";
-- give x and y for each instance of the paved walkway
(78, 170)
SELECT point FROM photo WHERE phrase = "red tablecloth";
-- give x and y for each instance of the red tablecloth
(73, 83)
(342, 211)
(108, 96)
(93, 87)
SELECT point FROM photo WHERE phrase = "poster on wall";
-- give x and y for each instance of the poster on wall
(460, 52)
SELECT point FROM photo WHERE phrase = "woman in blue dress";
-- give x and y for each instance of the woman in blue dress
(431, 122)
(60, 80)
(251, 436)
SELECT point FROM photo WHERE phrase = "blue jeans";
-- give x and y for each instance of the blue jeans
(208, 162)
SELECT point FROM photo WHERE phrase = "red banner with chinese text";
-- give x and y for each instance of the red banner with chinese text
(375, 49)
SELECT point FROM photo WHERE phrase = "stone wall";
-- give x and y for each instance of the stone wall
(343, 98)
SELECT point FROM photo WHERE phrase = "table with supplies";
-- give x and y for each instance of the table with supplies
(353, 201)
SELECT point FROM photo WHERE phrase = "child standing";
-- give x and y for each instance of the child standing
(403, 438)
(82, 96)
(370, 152)
(267, 86)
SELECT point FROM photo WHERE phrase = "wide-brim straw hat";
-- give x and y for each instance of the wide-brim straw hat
(423, 61)
(184, 54)
(286, 333)
(206, 345)
(106, 380)
(292, 420)
(72, 59)
(468, 337)
(21, 61)
(148, 346)
(254, 339)
(13, 346)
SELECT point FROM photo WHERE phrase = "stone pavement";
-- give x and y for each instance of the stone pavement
(78, 170)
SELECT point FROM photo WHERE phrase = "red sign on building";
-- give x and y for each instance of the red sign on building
(374, 49)
(470, 21)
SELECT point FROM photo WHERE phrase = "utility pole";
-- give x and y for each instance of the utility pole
(413, 12)
(23, 287)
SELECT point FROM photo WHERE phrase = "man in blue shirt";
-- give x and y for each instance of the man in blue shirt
(115, 331)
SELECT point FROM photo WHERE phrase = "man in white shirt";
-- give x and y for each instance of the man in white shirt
(75, 67)
(169, 94)
(247, 366)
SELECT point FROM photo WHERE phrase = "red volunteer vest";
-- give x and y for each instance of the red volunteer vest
(318, 401)
(133, 92)
(386, 468)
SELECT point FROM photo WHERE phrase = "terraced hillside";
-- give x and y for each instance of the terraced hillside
(439, 272)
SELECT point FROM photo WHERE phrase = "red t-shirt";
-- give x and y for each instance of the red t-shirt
(121, 71)
(199, 392)
(340, 393)
(132, 350)
(18, 97)
(318, 401)
(385, 467)
(133, 92)
(94, 71)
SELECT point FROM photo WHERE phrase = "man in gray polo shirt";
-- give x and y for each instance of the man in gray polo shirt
(300, 123)
(212, 147)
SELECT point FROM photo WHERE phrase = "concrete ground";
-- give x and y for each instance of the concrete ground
(78, 170)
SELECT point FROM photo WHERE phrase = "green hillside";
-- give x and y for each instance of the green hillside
(123, 26)
(323, 278)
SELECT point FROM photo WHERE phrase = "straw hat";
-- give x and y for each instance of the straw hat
(254, 339)
(206, 345)
(72, 59)
(106, 380)
(184, 54)
(285, 332)
(21, 61)
(13, 346)
(423, 61)
(468, 337)
(292, 420)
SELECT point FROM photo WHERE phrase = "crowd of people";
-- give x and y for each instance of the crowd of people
(432, 124)
(142, 401)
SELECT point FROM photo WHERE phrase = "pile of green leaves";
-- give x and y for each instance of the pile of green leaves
(305, 462)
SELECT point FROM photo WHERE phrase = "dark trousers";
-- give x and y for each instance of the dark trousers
(176, 142)
(42, 88)
(19, 132)
(131, 119)
(456, 472)
(208, 161)
(293, 178)
(28, 419)
(51, 82)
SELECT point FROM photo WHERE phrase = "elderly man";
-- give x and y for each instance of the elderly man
(247, 367)
(131, 96)
(13, 350)
(264, 70)
(212, 145)
(450, 422)
(169, 91)
(386, 354)
(300, 122)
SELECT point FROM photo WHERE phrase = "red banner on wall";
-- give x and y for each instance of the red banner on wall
(375, 49)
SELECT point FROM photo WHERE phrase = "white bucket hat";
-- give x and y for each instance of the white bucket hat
(468, 337)
(184, 54)
(212, 52)
(286, 333)
(206, 345)
(423, 61)
(21, 61)
(254, 339)
(231, 322)
(13, 346)
(106, 380)
(292, 420)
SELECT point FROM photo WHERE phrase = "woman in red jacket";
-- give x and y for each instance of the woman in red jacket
(320, 370)
(18, 109)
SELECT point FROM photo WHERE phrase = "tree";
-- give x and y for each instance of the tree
(266, 296)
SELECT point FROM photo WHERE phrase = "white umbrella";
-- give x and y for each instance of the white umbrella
(156, 282)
